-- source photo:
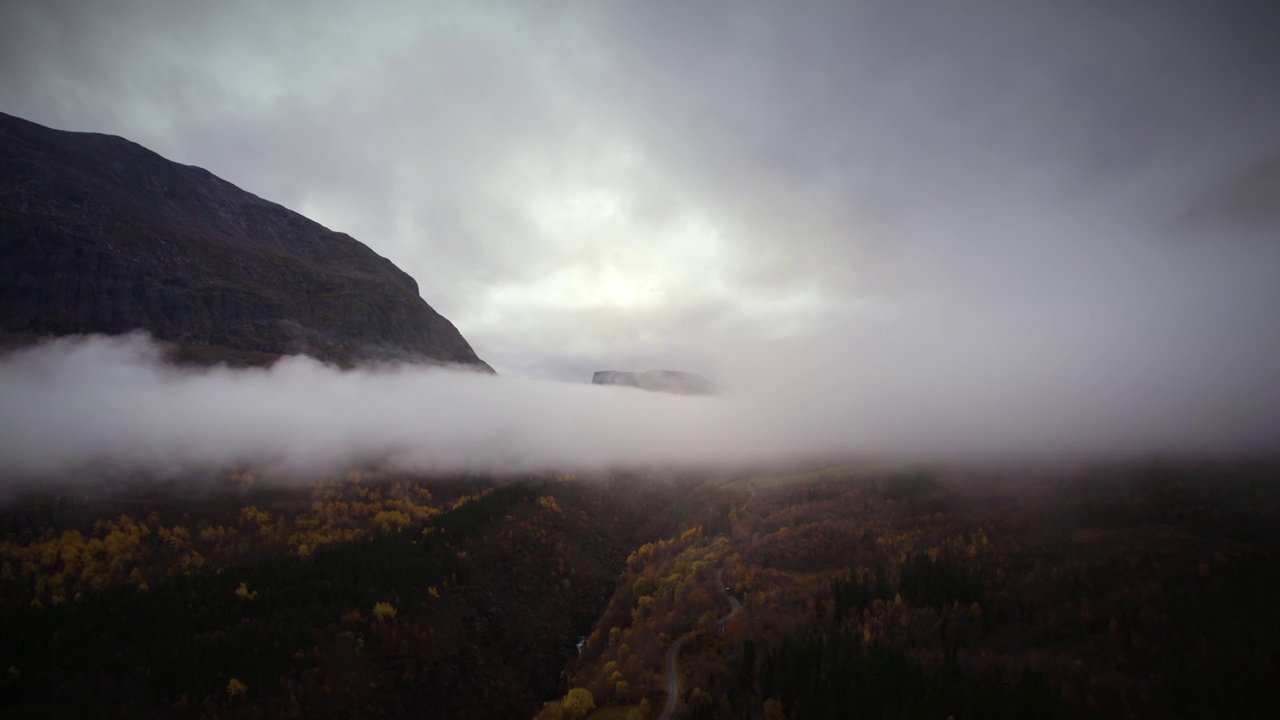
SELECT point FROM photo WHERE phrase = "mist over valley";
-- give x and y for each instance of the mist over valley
(639, 360)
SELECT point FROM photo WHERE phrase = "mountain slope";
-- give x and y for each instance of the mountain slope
(98, 234)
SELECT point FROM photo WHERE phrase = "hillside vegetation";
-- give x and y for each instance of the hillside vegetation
(1109, 592)
(462, 599)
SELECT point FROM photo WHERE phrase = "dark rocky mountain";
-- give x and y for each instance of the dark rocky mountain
(1245, 202)
(101, 235)
(672, 381)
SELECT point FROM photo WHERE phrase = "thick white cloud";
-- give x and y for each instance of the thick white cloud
(960, 198)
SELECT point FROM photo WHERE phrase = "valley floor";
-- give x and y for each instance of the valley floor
(849, 591)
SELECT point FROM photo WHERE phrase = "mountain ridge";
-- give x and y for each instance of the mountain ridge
(99, 234)
(671, 381)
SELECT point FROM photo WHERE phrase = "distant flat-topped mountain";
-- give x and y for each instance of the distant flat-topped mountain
(672, 381)
(1246, 202)
(101, 235)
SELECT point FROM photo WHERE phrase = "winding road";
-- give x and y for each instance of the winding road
(673, 652)
(673, 679)
(734, 605)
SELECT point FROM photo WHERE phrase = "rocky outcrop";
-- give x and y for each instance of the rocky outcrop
(101, 235)
(672, 381)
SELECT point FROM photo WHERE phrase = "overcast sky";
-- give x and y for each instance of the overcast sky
(582, 186)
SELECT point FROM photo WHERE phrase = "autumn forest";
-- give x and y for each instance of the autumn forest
(1144, 590)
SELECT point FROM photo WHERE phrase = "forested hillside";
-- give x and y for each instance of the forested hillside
(399, 598)
(883, 593)
(854, 591)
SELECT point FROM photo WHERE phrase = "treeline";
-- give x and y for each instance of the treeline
(916, 594)
(77, 554)
(147, 651)
(924, 579)
(837, 676)
(1231, 617)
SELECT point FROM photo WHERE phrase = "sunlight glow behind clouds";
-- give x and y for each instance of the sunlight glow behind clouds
(601, 185)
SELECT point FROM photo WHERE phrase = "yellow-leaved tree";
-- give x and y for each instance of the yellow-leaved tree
(384, 611)
(577, 704)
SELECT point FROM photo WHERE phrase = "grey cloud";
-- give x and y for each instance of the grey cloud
(950, 200)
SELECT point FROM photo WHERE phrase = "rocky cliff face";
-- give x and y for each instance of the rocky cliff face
(672, 381)
(101, 235)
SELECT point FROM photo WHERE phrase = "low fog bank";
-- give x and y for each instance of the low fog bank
(1028, 332)
(1088, 346)
(113, 403)
(885, 232)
